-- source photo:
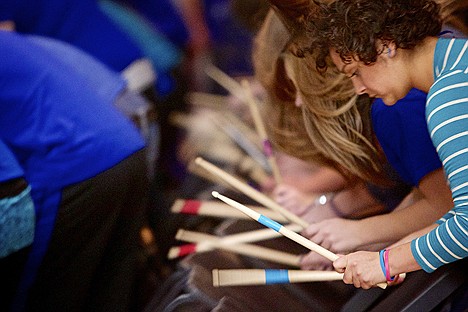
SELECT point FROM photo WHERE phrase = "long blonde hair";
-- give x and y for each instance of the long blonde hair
(329, 127)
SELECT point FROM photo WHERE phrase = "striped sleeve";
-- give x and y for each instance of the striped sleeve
(447, 118)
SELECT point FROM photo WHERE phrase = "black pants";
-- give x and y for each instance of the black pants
(91, 262)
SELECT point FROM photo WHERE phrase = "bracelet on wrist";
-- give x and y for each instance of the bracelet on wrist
(387, 266)
(382, 263)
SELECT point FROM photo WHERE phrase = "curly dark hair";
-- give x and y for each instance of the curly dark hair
(354, 27)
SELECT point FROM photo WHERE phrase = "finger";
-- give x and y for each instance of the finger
(340, 264)
(311, 230)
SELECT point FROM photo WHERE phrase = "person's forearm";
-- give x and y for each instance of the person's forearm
(7, 25)
(192, 13)
(399, 223)
(401, 260)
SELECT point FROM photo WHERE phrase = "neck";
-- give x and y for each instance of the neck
(422, 62)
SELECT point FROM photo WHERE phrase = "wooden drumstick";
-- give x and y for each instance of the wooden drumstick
(203, 99)
(260, 126)
(228, 83)
(218, 209)
(244, 237)
(250, 191)
(243, 249)
(281, 229)
(237, 277)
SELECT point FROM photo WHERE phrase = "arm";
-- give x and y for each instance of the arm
(192, 12)
(425, 205)
(7, 25)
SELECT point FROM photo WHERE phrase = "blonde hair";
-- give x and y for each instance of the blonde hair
(333, 126)
(328, 128)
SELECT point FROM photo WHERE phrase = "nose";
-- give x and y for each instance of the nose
(359, 87)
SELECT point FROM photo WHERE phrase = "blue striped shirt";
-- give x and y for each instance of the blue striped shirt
(447, 119)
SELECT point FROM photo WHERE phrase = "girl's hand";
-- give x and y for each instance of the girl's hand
(338, 235)
(292, 199)
(362, 269)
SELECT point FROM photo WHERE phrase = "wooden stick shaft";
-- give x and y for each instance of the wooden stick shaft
(266, 277)
(204, 174)
(278, 227)
(207, 100)
(243, 249)
(281, 229)
(219, 209)
(260, 126)
(245, 237)
(249, 191)
(230, 84)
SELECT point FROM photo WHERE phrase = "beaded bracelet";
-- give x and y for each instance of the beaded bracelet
(387, 267)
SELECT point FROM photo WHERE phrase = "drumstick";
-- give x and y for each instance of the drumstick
(260, 126)
(236, 277)
(203, 99)
(281, 229)
(243, 249)
(228, 83)
(196, 170)
(241, 140)
(217, 209)
(244, 237)
(250, 191)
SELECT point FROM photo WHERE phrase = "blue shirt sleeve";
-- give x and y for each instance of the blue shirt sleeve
(402, 132)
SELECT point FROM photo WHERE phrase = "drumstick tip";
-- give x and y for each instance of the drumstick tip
(215, 194)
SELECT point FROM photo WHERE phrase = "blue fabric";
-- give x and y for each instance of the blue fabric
(79, 22)
(107, 83)
(9, 167)
(163, 54)
(59, 130)
(231, 42)
(17, 212)
(397, 128)
(165, 18)
(16, 222)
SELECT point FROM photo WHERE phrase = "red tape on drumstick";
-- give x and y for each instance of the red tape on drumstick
(191, 206)
(187, 249)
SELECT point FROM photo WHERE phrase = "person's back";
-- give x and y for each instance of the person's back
(84, 161)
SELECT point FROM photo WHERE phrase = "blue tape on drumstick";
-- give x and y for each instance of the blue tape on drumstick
(276, 276)
(269, 223)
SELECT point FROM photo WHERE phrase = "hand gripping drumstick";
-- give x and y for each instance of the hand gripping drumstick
(281, 229)
(236, 277)
(249, 191)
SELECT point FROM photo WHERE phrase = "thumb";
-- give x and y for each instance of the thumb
(340, 264)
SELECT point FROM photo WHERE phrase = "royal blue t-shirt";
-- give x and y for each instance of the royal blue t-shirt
(402, 132)
(57, 127)
(79, 22)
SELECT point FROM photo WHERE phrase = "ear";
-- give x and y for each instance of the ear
(390, 49)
